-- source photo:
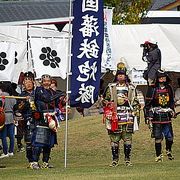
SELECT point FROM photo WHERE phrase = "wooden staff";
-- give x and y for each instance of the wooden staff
(14, 97)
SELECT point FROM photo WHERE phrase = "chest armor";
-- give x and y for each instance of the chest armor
(45, 106)
(162, 97)
(122, 96)
(124, 112)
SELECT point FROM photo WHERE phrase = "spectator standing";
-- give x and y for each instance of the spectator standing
(8, 129)
(19, 123)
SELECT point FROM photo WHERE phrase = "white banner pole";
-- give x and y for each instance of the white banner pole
(67, 84)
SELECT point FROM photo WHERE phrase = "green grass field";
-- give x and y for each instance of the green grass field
(89, 156)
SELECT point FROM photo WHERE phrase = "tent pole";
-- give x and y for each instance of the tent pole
(27, 53)
(67, 84)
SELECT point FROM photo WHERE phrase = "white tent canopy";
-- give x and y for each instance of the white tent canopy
(164, 14)
(126, 40)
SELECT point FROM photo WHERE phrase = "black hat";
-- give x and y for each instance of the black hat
(160, 73)
(29, 75)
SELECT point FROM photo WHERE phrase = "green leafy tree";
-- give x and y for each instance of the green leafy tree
(128, 11)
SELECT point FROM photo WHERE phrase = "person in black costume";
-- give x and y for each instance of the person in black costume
(45, 136)
(158, 112)
(27, 108)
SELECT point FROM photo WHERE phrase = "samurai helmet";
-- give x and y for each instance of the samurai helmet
(161, 73)
(121, 69)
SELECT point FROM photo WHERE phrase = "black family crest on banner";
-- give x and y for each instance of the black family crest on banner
(87, 47)
(16, 60)
(49, 57)
(3, 61)
(12, 60)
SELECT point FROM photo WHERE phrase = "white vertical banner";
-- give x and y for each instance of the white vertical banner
(20, 64)
(7, 60)
(107, 57)
(50, 56)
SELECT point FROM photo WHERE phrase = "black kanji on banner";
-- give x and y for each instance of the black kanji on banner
(16, 60)
(3, 61)
(49, 57)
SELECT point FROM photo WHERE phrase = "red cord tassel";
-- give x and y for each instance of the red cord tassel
(114, 122)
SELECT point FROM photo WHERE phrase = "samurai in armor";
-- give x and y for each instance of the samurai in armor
(27, 108)
(45, 136)
(120, 100)
(158, 111)
(61, 110)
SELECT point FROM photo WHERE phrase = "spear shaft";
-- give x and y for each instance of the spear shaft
(13, 97)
